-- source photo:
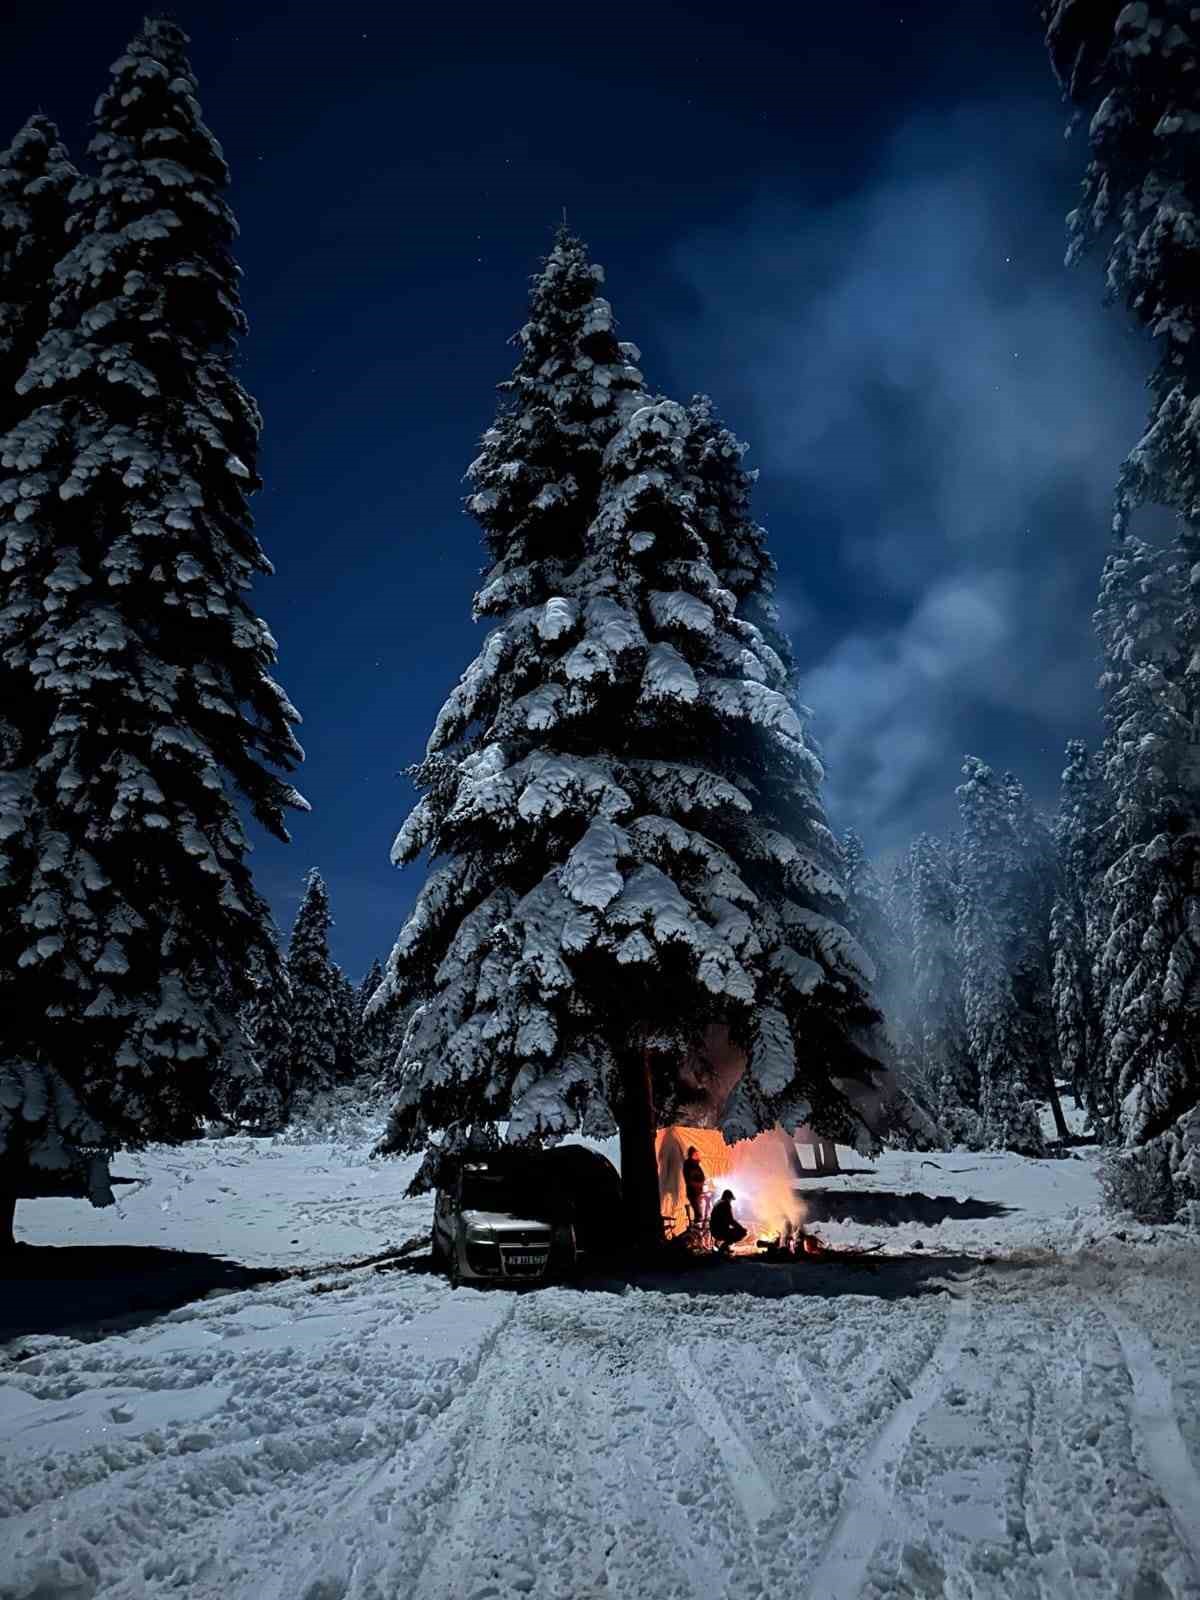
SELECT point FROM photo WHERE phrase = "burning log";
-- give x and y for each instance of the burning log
(793, 1244)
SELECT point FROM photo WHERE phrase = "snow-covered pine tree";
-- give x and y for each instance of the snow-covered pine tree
(36, 177)
(1136, 70)
(347, 1012)
(624, 800)
(996, 1022)
(1075, 922)
(319, 1019)
(1030, 906)
(267, 1022)
(939, 1019)
(129, 922)
(724, 516)
(868, 917)
(1148, 966)
(376, 1025)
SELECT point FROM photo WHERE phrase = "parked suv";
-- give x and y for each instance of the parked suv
(517, 1214)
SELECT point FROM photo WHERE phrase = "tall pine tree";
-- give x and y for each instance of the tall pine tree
(129, 923)
(998, 1028)
(319, 1017)
(267, 1024)
(868, 917)
(1075, 925)
(939, 1019)
(1148, 961)
(623, 796)
(1135, 70)
(376, 1025)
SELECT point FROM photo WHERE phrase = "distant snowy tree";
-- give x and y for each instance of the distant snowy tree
(348, 1015)
(621, 793)
(939, 1019)
(1075, 924)
(997, 1021)
(868, 916)
(1135, 69)
(319, 1016)
(375, 1036)
(128, 917)
(267, 1022)
(1030, 904)
(36, 178)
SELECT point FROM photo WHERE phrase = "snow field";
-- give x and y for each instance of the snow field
(1029, 1428)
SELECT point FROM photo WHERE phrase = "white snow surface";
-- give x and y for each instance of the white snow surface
(1029, 1426)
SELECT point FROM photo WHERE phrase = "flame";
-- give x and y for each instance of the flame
(760, 1171)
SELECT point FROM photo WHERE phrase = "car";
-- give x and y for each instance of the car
(519, 1215)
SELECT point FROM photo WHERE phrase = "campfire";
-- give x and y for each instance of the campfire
(792, 1244)
(761, 1173)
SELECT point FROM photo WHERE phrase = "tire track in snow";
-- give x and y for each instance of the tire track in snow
(753, 1493)
(1152, 1414)
(530, 1493)
(865, 1517)
(808, 1391)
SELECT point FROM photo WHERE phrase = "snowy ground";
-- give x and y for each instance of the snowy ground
(1028, 1426)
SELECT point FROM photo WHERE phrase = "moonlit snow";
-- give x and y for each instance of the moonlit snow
(1025, 1425)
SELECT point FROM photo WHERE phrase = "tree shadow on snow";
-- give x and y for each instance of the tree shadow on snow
(96, 1289)
(881, 1207)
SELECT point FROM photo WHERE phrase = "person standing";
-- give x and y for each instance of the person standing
(693, 1183)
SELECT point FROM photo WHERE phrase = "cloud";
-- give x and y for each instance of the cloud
(939, 409)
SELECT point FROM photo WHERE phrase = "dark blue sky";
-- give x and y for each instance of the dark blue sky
(845, 223)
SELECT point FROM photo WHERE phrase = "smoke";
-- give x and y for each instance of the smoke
(939, 409)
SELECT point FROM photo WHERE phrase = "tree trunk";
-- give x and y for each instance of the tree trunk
(1060, 1122)
(827, 1156)
(8, 1209)
(639, 1160)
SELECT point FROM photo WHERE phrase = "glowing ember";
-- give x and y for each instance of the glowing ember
(760, 1171)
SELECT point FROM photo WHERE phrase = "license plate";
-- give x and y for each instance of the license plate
(524, 1261)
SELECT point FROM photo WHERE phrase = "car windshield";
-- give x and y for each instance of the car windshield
(489, 1191)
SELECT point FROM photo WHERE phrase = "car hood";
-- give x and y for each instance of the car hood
(502, 1222)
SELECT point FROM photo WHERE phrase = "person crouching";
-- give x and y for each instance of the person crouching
(726, 1231)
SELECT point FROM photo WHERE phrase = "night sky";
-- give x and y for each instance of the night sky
(845, 223)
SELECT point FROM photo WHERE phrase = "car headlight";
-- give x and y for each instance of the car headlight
(481, 1235)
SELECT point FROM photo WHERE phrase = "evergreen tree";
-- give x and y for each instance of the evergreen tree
(376, 1025)
(868, 917)
(866, 914)
(128, 917)
(1074, 925)
(319, 1013)
(624, 799)
(998, 1028)
(1148, 966)
(1136, 70)
(267, 1022)
(940, 1023)
(36, 178)
(1030, 905)
(347, 1012)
